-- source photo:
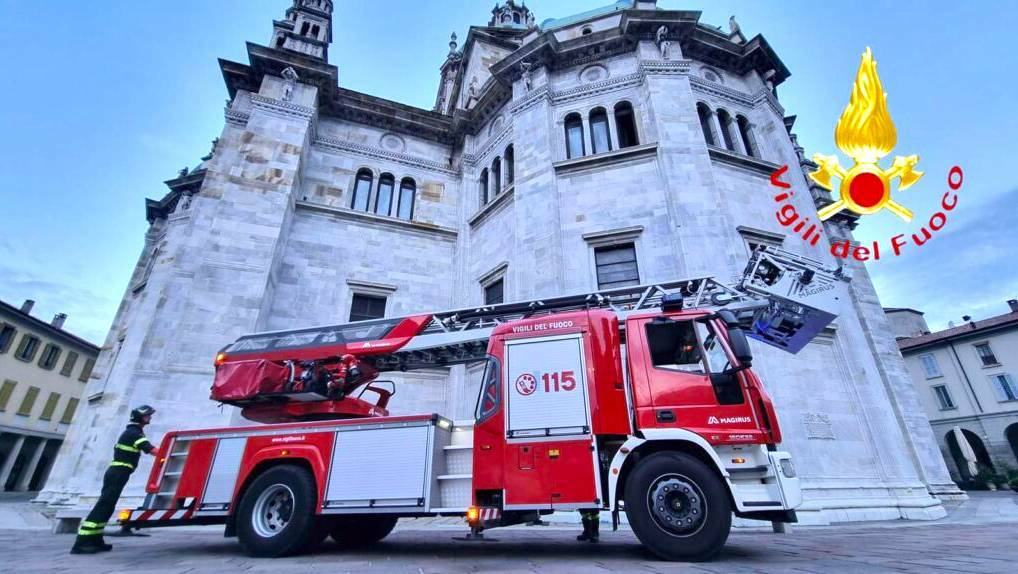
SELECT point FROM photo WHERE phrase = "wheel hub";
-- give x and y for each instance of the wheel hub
(676, 504)
(272, 510)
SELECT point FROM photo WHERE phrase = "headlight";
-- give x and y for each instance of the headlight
(787, 468)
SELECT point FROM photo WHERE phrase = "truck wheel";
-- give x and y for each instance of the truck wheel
(678, 507)
(276, 516)
(351, 532)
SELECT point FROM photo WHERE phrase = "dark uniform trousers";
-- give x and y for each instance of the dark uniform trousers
(126, 453)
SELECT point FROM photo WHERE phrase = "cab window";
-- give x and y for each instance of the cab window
(490, 396)
(674, 346)
(714, 352)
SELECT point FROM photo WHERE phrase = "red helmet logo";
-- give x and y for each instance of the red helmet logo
(526, 384)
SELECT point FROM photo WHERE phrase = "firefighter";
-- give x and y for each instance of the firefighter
(591, 521)
(126, 452)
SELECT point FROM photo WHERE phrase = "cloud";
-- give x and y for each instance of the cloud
(968, 268)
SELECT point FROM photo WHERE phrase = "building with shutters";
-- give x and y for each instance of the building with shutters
(627, 144)
(966, 377)
(43, 373)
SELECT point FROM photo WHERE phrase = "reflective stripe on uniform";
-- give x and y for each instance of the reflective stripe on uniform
(90, 531)
(139, 441)
(126, 447)
(87, 524)
(118, 463)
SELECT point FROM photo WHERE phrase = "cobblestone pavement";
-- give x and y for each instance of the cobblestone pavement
(872, 548)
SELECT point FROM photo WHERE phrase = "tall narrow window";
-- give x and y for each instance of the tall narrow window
(72, 405)
(510, 165)
(383, 200)
(51, 405)
(930, 366)
(1004, 385)
(5, 394)
(50, 356)
(600, 140)
(616, 266)
(496, 176)
(574, 136)
(7, 333)
(494, 293)
(746, 131)
(407, 196)
(986, 354)
(484, 186)
(280, 41)
(69, 362)
(28, 401)
(943, 397)
(304, 29)
(367, 307)
(726, 129)
(625, 123)
(362, 190)
(314, 31)
(86, 371)
(27, 348)
(705, 123)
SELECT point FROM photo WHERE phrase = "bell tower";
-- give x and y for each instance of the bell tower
(307, 28)
(511, 15)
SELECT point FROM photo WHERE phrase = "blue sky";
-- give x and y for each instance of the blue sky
(103, 101)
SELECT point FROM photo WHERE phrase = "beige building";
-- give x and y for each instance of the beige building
(43, 371)
(966, 377)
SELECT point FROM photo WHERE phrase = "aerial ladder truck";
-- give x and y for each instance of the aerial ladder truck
(638, 399)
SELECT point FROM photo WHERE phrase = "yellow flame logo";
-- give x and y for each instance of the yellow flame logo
(866, 133)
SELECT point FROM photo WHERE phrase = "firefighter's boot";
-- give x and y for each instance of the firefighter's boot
(590, 527)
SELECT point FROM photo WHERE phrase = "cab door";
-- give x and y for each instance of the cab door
(683, 378)
(549, 459)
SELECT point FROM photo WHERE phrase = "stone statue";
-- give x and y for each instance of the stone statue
(531, 23)
(212, 152)
(733, 26)
(183, 172)
(663, 44)
(472, 89)
(186, 203)
(768, 79)
(290, 82)
(528, 76)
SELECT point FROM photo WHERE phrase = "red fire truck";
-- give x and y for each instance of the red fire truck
(638, 399)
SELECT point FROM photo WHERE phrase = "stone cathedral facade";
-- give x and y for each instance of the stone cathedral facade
(627, 144)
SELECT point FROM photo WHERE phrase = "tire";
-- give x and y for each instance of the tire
(696, 517)
(276, 516)
(360, 531)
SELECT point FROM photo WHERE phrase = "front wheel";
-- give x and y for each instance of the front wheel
(276, 516)
(678, 507)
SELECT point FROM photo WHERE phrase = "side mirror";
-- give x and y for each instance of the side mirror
(740, 347)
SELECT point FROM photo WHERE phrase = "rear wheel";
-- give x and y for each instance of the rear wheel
(678, 507)
(276, 516)
(358, 531)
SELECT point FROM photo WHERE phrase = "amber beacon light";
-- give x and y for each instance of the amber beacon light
(866, 133)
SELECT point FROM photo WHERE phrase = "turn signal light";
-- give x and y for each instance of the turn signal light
(124, 514)
(472, 514)
(220, 359)
(739, 460)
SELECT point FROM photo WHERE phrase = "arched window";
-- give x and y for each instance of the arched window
(516, 17)
(304, 29)
(510, 167)
(314, 31)
(726, 129)
(625, 124)
(407, 196)
(362, 190)
(496, 176)
(383, 199)
(706, 124)
(484, 186)
(280, 41)
(746, 131)
(574, 136)
(600, 139)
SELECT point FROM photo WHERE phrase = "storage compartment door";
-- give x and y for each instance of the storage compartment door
(547, 388)
(381, 467)
(223, 476)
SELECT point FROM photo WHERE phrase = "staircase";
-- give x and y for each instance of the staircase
(456, 478)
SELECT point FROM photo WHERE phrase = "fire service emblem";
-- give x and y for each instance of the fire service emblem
(866, 133)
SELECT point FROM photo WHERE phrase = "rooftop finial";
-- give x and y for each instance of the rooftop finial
(452, 43)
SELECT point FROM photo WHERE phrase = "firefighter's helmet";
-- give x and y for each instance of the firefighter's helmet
(138, 415)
